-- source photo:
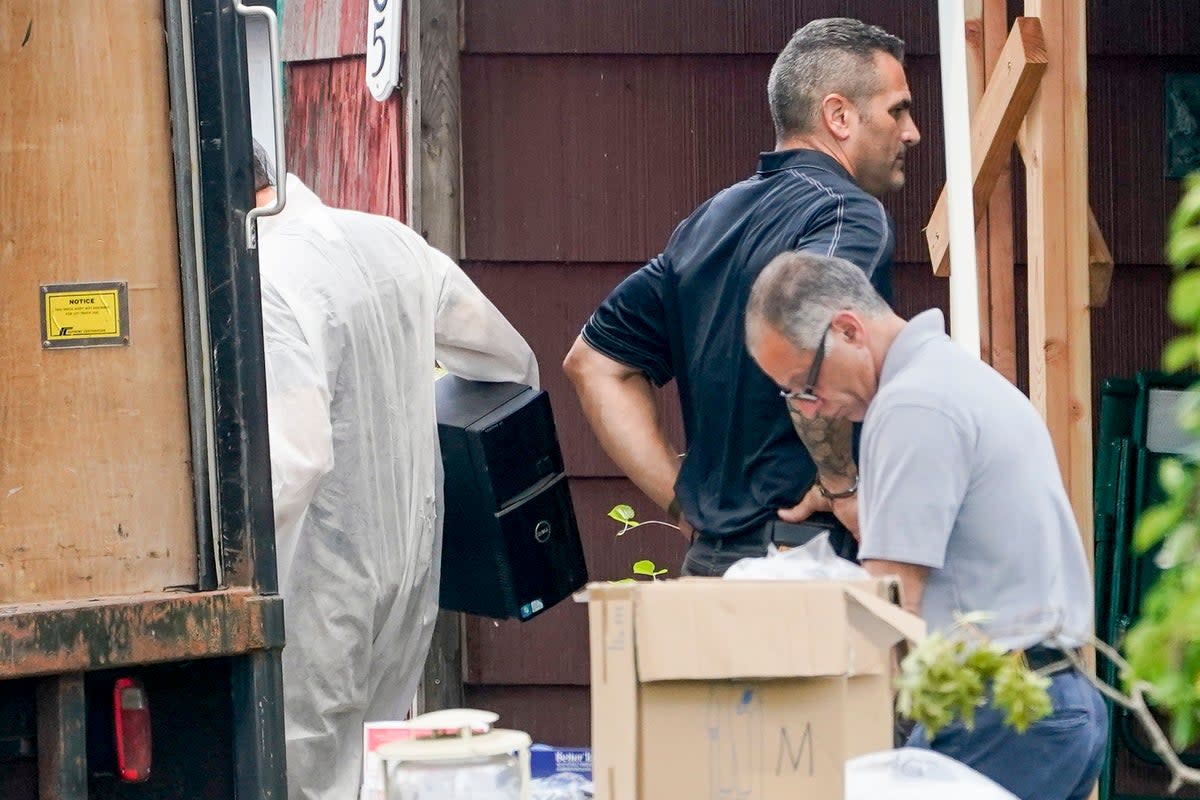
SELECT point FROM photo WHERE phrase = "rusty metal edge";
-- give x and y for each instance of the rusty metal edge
(51, 638)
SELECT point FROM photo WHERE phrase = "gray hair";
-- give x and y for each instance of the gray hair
(826, 56)
(798, 293)
(264, 171)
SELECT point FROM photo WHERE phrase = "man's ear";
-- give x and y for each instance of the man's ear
(838, 115)
(848, 326)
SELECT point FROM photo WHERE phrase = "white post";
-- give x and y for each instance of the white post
(964, 279)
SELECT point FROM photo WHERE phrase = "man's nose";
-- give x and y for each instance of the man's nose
(911, 136)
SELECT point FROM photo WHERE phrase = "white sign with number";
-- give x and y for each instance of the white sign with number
(383, 47)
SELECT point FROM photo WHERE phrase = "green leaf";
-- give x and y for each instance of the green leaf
(1183, 248)
(1179, 547)
(1172, 476)
(985, 660)
(1183, 299)
(644, 567)
(1183, 726)
(1188, 412)
(1021, 693)
(1153, 525)
(623, 514)
(624, 580)
(1187, 213)
(1180, 353)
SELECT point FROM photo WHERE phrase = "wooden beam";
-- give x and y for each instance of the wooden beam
(413, 83)
(435, 211)
(1100, 264)
(1007, 97)
(987, 28)
(440, 152)
(1060, 374)
(1100, 258)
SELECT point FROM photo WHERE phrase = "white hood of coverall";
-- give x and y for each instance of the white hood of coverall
(357, 506)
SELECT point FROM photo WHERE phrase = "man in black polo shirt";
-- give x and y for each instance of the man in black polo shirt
(841, 107)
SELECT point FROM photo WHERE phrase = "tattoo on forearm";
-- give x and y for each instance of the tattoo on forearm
(829, 442)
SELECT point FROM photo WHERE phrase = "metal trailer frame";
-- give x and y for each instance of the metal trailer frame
(234, 611)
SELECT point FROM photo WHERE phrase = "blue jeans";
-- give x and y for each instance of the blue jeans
(1058, 758)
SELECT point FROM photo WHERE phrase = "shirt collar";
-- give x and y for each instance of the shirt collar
(926, 327)
(778, 160)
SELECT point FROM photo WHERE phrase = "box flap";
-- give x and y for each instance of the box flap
(614, 691)
(703, 629)
(882, 622)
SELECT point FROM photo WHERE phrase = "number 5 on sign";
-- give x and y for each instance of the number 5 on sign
(383, 47)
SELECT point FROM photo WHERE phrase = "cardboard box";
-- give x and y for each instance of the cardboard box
(747, 690)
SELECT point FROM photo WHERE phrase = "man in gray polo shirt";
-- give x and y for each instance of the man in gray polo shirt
(960, 495)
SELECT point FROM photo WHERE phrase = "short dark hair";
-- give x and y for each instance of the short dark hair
(826, 55)
(264, 172)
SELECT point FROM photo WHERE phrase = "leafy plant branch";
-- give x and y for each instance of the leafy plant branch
(944, 677)
(1135, 702)
(1163, 647)
(625, 515)
(949, 676)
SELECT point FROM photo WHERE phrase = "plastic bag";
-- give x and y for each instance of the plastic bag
(812, 561)
(911, 773)
(563, 786)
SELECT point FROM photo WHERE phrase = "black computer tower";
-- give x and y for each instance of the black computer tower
(511, 545)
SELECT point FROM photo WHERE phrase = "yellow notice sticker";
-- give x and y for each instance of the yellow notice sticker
(84, 315)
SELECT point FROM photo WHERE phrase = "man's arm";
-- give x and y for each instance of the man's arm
(618, 400)
(912, 580)
(298, 420)
(472, 339)
(829, 442)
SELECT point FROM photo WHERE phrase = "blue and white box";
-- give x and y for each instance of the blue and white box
(545, 760)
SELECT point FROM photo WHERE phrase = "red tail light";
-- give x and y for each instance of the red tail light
(131, 717)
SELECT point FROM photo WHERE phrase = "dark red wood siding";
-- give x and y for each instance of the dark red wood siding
(737, 27)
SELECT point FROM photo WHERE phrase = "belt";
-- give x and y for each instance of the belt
(1050, 659)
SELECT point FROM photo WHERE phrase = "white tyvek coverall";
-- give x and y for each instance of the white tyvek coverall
(356, 308)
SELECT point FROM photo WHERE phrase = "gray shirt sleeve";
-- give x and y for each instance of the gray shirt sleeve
(916, 466)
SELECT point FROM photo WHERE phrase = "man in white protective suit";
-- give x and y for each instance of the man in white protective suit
(356, 308)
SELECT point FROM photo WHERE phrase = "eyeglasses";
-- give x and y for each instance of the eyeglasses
(809, 393)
